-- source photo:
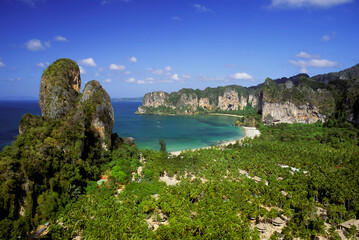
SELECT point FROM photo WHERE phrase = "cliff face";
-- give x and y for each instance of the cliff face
(229, 101)
(100, 115)
(188, 101)
(290, 113)
(60, 86)
(60, 99)
(155, 99)
(296, 99)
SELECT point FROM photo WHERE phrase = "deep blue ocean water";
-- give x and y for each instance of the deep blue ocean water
(179, 132)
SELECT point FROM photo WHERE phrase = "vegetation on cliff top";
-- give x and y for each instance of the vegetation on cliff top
(217, 197)
(61, 67)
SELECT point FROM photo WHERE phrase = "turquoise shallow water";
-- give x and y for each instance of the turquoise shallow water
(179, 132)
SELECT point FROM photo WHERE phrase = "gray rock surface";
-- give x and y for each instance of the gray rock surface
(60, 86)
(96, 103)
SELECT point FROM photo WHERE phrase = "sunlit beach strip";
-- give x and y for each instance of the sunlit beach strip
(249, 132)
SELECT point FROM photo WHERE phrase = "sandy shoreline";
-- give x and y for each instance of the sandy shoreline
(249, 132)
(225, 114)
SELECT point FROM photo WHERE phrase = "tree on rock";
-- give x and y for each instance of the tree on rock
(162, 145)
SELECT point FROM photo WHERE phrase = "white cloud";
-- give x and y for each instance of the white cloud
(60, 39)
(96, 74)
(127, 72)
(314, 62)
(48, 44)
(186, 76)
(158, 72)
(82, 70)
(329, 37)
(242, 76)
(131, 80)
(175, 77)
(306, 55)
(100, 69)
(34, 45)
(168, 68)
(205, 78)
(117, 67)
(326, 38)
(42, 65)
(308, 3)
(176, 18)
(14, 79)
(300, 63)
(107, 80)
(322, 63)
(2, 64)
(150, 79)
(104, 2)
(155, 71)
(88, 62)
(133, 59)
(201, 8)
(166, 81)
(141, 82)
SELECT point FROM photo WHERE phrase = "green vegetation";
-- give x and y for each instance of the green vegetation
(248, 110)
(162, 145)
(249, 120)
(307, 91)
(61, 67)
(304, 177)
(218, 196)
(43, 170)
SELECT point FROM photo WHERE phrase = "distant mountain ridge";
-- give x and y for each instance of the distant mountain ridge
(137, 99)
(299, 98)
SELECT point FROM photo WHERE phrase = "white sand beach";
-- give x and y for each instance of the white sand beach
(249, 132)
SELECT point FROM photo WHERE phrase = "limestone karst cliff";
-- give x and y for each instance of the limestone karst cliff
(60, 99)
(189, 101)
(56, 155)
(60, 86)
(100, 115)
(295, 99)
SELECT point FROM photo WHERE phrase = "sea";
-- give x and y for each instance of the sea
(179, 132)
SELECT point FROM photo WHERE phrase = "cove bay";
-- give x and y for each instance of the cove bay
(179, 132)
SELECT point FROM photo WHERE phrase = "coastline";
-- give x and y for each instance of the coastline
(249, 132)
(224, 114)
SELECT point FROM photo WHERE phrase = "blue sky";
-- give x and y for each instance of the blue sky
(136, 46)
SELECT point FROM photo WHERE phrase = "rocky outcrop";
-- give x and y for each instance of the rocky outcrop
(290, 113)
(99, 111)
(155, 99)
(188, 103)
(296, 99)
(60, 86)
(229, 100)
(204, 103)
(29, 121)
(347, 74)
(253, 100)
(60, 98)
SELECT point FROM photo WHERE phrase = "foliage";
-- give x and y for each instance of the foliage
(162, 145)
(215, 201)
(250, 120)
(42, 171)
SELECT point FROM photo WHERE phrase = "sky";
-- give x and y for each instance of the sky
(137, 46)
